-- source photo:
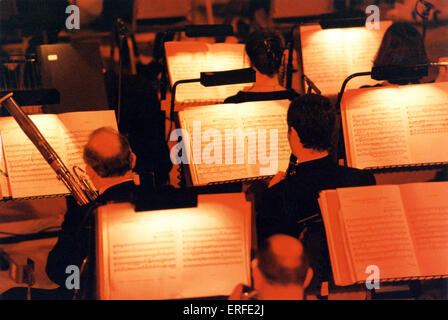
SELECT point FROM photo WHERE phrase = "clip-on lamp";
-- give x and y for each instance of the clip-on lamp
(394, 72)
(191, 31)
(209, 79)
(217, 78)
(345, 19)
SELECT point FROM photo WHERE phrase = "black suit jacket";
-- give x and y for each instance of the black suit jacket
(76, 238)
(296, 197)
(280, 207)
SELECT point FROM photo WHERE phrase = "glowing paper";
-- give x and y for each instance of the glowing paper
(174, 254)
(396, 125)
(187, 59)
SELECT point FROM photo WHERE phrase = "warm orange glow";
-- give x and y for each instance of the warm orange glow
(170, 254)
(416, 244)
(187, 59)
(331, 55)
(52, 57)
(396, 125)
(236, 141)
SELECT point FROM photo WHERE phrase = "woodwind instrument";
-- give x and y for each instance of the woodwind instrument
(81, 190)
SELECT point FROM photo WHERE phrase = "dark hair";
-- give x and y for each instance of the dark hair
(114, 166)
(313, 117)
(274, 271)
(265, 51)
(402, 44)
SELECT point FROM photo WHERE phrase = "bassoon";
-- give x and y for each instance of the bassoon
(77, 185)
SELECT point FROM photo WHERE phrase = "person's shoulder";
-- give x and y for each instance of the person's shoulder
(121, 192)
(237, 98)
(356, 177)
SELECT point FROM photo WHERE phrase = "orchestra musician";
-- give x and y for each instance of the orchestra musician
(402, 45)
(265, 51)
(292, 196)
(109, 164)
(281, 271)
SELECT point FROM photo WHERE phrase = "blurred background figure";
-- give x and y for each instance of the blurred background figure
(402, 45)
(280, 271)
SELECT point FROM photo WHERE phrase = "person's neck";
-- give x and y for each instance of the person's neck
(305, 154)
(265, 83)
(281, 293)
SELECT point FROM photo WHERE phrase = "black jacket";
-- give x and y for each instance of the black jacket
(296, 197)
(248, 96)
(76, 238)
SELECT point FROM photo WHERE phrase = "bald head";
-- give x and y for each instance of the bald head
(282, 260)
(105, 142)
(108, 153)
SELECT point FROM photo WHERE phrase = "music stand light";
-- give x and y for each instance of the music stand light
(191, 31)
(344, 19)
(217, 78)
(394, 72)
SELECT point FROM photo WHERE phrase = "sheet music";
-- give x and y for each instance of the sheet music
(181, 253)
(396, 125)
(331, 55)
(338, 249)
(365, 226)
(29, 173)
(427, 116)
(242, 147)
(427, 212)
(187, 59)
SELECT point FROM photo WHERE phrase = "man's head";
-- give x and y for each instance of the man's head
(281, 268)
(107, 155)
(310, 120)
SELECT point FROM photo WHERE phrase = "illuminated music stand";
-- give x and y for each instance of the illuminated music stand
(210, 79)
(191, 31)
(326, 21)
(387, 73)
(122, 223)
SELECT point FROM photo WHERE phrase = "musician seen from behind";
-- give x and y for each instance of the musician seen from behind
(109, 163)
(281, 271)
(293, 196)
(265, 50)
(402, 45)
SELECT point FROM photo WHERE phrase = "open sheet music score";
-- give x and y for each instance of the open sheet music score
(29, 175)
(396, 125)
(236, 141)
(187, 59)
(174, 254)
(401, 229)
(331, 55)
